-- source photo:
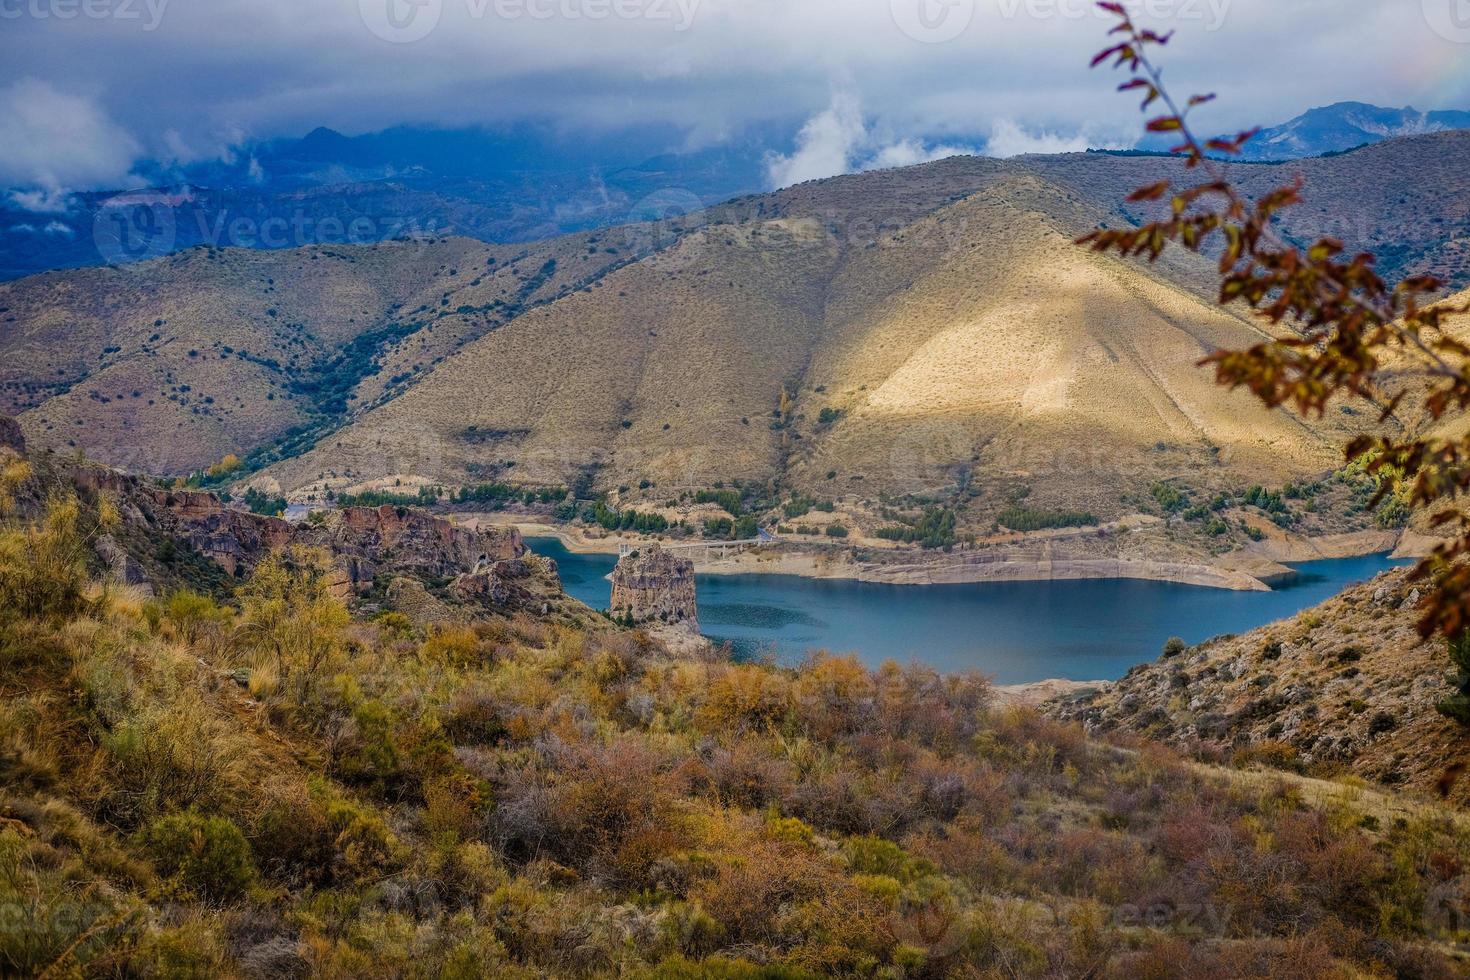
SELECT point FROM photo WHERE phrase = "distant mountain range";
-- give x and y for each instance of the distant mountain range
(517, 184)
(511, 185)
(899, 331)
(1346, 126)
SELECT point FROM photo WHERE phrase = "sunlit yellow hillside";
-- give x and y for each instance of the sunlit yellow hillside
(977, 338)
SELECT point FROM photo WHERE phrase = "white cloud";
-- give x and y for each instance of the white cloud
(837, 140)
(42, 200)
(824, 146)
(906, 153)
(57, 228)
(1009, 139)
(52, 143)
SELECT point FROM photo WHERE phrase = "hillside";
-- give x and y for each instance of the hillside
(1347, 687)
(975, 338)
(915, 306)
(264, 785)
(168, 365)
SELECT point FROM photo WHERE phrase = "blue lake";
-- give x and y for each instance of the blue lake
(1014, 631)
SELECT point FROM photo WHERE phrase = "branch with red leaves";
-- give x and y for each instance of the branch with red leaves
(1350, 333)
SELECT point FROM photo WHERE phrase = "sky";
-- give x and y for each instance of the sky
(90, 87)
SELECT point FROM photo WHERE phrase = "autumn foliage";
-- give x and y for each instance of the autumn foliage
(1345, 333)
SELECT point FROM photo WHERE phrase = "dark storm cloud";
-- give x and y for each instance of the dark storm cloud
(88, 86)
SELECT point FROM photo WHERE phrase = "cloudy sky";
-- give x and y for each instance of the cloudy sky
(89, 87)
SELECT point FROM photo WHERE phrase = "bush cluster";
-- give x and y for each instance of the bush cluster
(272, 788)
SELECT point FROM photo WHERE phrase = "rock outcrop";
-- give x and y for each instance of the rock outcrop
(653, 585)
(366, 543)
(234, 539)
(365, 539)
(122, 568)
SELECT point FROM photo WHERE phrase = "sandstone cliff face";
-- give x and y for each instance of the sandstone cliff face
(234, 539)
(363, 539)
(365, 543)
(1347, 686)
(651, 585)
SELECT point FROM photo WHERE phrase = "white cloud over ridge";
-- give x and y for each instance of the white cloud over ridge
(53, 142)
(1009, 139)
(838, 140)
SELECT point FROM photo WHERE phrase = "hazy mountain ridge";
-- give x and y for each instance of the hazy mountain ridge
(1346, 126)
(512, 184)
(669, 367)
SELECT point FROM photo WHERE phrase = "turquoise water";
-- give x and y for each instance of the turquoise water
(1014, 631)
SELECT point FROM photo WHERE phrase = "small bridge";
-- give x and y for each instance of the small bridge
(704, 551)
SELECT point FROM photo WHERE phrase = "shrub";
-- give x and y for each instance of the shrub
(208, 855)
(836, 531)
(1169, 497)
(1457, 706)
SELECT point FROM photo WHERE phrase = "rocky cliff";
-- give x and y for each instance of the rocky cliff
(1345, 687)
(653, 585)
(363, 539)
(368, 545)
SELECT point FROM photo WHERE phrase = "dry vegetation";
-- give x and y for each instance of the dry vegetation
(272, 789)
(1348, 687)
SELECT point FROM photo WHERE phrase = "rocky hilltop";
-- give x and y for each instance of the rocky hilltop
(1345, 687)
(652, 584)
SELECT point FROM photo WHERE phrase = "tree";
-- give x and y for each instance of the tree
(1345, 333)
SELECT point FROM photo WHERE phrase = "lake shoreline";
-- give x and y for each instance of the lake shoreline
(1255, 568)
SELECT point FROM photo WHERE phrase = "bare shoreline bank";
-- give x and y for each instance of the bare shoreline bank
(1248, 569)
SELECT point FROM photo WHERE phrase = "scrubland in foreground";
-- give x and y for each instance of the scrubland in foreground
(277, 788)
